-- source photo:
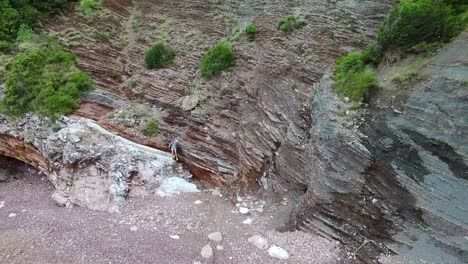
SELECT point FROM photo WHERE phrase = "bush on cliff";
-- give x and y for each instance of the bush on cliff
(44, 80)
(159, 56)
(13, 13)
(290, 23)
(151, 128)
(409, 24)
(415, 21)
(352, 77)
(218, 59)
(251, 31)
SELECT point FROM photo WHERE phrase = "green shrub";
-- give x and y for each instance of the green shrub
(414, 21)
(352, 77)
(13, 13)
(356, 85)
(290, 23)
(372, 54)
(218, 59)
(25, 34)
(159, 56)
(88, 6)
(10, 21)
(4, 45)
(45, 81)
(151, 128)
(102, 36)
(251, 31)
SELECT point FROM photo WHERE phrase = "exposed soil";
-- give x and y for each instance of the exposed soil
(42, 232)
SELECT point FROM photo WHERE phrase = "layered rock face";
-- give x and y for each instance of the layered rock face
(401, 175)
(88, 165)
(275, 119)
(244, 116)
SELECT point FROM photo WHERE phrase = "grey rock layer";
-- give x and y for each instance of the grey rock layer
(398, 182)
(86, 163)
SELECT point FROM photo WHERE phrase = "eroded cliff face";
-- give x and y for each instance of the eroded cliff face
(243, 117)
(397, 176)
(390, 177)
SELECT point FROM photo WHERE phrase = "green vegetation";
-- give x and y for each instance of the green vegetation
(410, 70)
(290, 23)
(151, 127)
(102, 36)
(14, 13)
(159, 56)
(44, 80)
(218, 59)
(136, 17)
(414, 21)
(132, 83)
(417, 25)
(89, 7)
(251, 31)
(352, 77)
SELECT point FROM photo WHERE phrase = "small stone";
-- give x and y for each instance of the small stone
(247, 221)
(2, 203)
(134, 228)
(239, 199)
(207, 251)
(198, 202)
(216, 193)
(219, 248)
(244, 210)
(278, 252)
(346, 99)
(12, 215)
(60, 198)
(176, 237)
(374, 200)
(260, 210)
(258, 241)
(216, 236)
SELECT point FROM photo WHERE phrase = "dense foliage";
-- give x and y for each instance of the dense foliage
(44, 80)
(159, 56)
(414, 21)
(411, 24)
(352, 77)
(14, 13)
(290, 23)
(218, 59)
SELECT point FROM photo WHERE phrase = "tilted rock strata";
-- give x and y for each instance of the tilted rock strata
(245, 115)
(400, 179)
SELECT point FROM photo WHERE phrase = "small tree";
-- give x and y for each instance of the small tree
(159, 56)
(218, 59)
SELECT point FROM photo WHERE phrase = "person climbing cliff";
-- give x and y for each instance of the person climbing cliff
(174, 144)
